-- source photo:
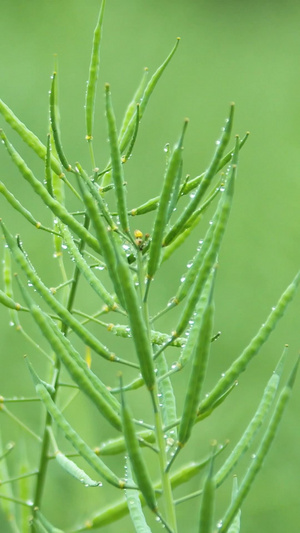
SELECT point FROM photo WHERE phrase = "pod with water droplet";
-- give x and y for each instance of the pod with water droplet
(261, 453)
(77, 442)
(117, 167)
(260, 415)
(241, 363)
(161, 218)
(28, 136)
(58, 210)
(55, 305)
(87, 272)
(93, 76)
(205, 182)
(136, 458)
(86, 380)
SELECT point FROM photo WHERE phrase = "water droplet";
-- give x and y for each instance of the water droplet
(222, 189)
(126, 247)
(253, 456)
(223, 375)
(29, 284)
(273, 308)
(166, 147)
(182, 279)
(99, 267)
(219, 524)
(210, 222)
(64, 246)
(217, 143)
(11, 323)
(192, 195)
(189, 264)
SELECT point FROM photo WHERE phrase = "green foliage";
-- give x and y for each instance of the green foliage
(97, 244)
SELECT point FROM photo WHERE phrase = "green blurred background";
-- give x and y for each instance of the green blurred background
(247, 52)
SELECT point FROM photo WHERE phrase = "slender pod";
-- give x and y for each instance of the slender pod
(93, 76)
(137, 461)
(21, 209)
(55, 305)
(86, 270)
(48, 173)
(117, 510)
(9, 302)
(54, 124)
(129, 150)
(190, 225)
(161, 218)
(198, 370)
(254, 425)
(189, 345)
(28, 137)
(118, 445)
(167, 398)
(117, 168)
(97, 196)
(79, 371)
(211, 254)
(69, 466)
(125, 139)
(240, 364)
(194, 182)
(57, 209)
(77, 442)
(236, 523)
(261, 453)
(208, 502)
(103, 239)
(152, 204)
(134, 505)
(132, 106)
(205, 182)
(136, 321)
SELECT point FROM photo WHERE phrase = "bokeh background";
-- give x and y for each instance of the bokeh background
(246, 52)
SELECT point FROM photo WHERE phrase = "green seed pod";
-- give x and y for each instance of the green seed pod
(104, 240)
(208, 502)
(58, 210)
(205, 182)
(55, 305)
(254, 425)
(132, 107)
(77, 368)
(134, 505)
(87, 272)
(54, 124)
(136, 321)
(211, 254)
(117, 446)
(262, 451)
(93, 76)
(240, 364)
(137, 461)
(127, 135)
(162, 212)
(77, 442)
(198, 370)
(72, 469)
(117, 168)
(48, 173)
(28, 137)
(21, 209)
